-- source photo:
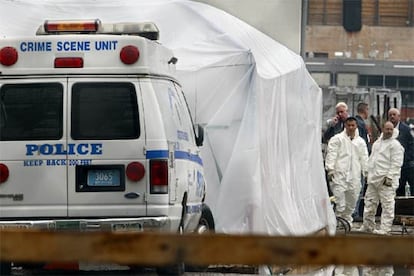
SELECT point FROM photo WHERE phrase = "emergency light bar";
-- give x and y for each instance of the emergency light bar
(146, 29)
(55, 27)
(70, 26)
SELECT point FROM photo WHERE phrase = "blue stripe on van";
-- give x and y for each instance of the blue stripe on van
(154, 154)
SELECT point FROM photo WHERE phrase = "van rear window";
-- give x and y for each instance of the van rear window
(31, 111)
(104, 111)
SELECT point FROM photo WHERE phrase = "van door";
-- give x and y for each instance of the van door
(32, 142)
(105, 136)
(188, 169)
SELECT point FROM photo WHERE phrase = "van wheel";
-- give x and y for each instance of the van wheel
(177, 269)
(5, 268)
(205, 225)
(206, 222)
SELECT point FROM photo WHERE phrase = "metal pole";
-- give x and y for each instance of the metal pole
(304, 19)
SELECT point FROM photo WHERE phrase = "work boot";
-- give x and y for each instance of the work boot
(365, 228)
(381, 232)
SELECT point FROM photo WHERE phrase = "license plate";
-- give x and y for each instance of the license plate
(104, 178)
(68, 225)
(124, 227)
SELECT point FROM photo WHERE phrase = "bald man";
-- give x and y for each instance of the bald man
(384, 166)
(407, 141)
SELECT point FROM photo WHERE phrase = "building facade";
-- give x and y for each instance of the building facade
(357, 45)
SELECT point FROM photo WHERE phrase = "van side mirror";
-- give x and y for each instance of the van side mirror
(199, 136)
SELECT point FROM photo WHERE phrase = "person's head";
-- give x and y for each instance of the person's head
(341, 111)
(350, 126)
(387, 130)
(362, 109)
(394, 116)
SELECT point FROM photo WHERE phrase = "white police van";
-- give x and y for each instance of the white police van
(95, 132)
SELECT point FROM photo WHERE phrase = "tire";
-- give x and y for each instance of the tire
(205, 225)
(206, 222)
(5, 268)
(177, 269)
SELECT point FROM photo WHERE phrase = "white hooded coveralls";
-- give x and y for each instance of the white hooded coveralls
(346, 159)
(385, 162)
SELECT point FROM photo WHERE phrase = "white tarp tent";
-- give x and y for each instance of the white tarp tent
(260, 108)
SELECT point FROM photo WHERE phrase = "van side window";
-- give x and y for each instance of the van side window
(186, 111)
(31, 111)
(104, 111)
(175, 113)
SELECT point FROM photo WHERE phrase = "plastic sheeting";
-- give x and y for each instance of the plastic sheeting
(260, 108)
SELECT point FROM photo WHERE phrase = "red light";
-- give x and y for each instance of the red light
(135, 171)
(129, 54)
(8, 56)
(71, 26)
(4, 173)
(159, 176)
(69, 62)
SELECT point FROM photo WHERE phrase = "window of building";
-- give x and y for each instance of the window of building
(391, 81)
(407, 98)
(406, 82)
(371, 80)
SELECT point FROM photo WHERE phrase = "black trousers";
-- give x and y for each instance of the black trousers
(407, 175)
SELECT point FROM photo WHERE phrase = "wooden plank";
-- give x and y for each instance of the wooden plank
(315, 19)
(393, 8)
(368, 8)
(392, 21)
(390, 12)
(161, 249)
(368, 12)
(334, 19)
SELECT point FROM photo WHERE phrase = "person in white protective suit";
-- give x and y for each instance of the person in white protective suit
(346, 159)
(384, 166)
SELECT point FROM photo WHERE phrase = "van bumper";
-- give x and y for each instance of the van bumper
(162, 223)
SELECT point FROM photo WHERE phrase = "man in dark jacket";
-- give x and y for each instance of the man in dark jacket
(362, 110)
(407, 141)
(337, 123)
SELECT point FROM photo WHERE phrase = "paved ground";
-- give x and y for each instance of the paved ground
(398, 228)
